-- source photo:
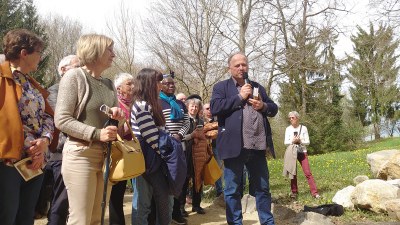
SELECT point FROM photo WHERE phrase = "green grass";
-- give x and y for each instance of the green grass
(332, 172)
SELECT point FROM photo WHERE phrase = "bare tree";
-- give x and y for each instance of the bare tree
(182, 35)
(62, 33)
(122, 29)
(388, 10)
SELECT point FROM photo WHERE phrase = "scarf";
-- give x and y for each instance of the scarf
(124, 100)
(176, 112)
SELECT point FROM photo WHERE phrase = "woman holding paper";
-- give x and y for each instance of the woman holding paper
(26, 127)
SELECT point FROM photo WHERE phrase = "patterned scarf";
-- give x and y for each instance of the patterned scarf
(176, 112)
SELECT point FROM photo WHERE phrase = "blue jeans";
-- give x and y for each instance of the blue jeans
(17, 197)
(218, 184)
(145, 188)
(257, 167)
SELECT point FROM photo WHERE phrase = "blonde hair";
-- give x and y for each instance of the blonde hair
(91, 47)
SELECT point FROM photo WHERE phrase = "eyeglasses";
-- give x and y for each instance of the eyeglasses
(292, 118)
(168, 83)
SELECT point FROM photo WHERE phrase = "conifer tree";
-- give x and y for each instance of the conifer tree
(22, 14)
(373, 73)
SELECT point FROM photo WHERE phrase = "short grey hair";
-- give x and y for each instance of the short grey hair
(180, 96)
(195, 101)
(121, 78)
(66, 61)
(295, 114)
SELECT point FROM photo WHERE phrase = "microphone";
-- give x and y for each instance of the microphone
(246, 78)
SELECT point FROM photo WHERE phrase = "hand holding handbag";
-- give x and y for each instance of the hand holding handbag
(127, 159)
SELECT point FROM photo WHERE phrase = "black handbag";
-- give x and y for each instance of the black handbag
(299, 147)
(327, 209)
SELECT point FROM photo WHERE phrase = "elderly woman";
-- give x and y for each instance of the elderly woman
(81, 93)
(196, 155)
(297, 135)
(123, 82)
(26, 126)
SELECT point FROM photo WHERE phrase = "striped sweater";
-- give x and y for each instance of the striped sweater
(143, 125)
(176, 126)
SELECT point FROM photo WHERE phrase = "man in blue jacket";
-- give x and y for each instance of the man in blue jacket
(244, 136)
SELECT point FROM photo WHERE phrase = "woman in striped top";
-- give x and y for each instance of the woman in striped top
(146, 120)
(177, 123)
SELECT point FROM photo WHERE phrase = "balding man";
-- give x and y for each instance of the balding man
(244, 134)
(58, 212)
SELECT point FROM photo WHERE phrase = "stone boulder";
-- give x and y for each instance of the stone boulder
(343, 197)
(393, 208)
(360, 179)
(377, 160)
(373, 194)
(311, 218)
(394, 182)
(391, 169)
(248, 204)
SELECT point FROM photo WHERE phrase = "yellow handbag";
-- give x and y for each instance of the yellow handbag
(212, 172)
(126, 159)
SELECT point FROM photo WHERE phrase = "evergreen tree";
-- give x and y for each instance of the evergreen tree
(10, 16)
(23, 14)
(313, 89)
(373, 73)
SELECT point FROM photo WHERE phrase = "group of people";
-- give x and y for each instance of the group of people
(148, 103)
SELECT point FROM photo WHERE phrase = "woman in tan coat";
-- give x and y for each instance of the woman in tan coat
(196, 155)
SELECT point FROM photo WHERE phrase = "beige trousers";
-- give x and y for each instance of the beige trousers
(83, 177)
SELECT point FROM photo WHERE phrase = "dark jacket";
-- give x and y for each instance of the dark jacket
(228, 107)
(56, 152)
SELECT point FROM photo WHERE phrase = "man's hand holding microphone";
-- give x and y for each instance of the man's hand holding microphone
(247, 93)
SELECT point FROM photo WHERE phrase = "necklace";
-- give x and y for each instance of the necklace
(98, 80)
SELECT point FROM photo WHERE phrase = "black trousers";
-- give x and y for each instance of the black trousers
(45, 192)
(116, 206)
(196, 196)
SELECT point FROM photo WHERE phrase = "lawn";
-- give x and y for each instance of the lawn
(332, 172)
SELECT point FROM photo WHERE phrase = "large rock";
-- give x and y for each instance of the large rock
(377, 160)
(360, 179)
(311, 218)
(248, 204)
(343, 197)
(391, 169)
(372, 195)
(394, 182)
(393, 208)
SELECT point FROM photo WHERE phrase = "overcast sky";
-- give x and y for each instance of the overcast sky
(93, 14)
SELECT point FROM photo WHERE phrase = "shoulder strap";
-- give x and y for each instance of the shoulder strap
(300, 129)
(134, 138)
